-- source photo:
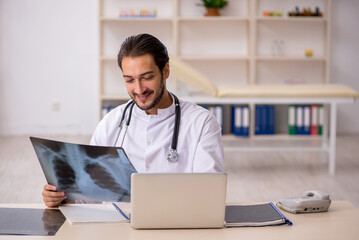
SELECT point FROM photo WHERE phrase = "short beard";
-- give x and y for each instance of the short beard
(157, 99)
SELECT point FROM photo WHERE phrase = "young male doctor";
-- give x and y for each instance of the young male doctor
(149, 137)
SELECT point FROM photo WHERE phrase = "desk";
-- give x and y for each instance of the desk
(340, 222)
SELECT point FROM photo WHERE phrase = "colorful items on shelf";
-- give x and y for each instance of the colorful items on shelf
(273, 14)
(306, 12)
(305, 119)
(147, 13)
(308, 52)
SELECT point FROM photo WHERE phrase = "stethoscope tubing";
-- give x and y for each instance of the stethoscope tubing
(172, 156)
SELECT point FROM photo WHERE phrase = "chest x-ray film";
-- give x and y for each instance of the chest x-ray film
(85, 172)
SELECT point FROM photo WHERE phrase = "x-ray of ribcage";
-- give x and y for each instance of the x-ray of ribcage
(83, 172)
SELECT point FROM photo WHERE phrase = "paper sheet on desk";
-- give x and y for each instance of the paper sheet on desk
(86, 213)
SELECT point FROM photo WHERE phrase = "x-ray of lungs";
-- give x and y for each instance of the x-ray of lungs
(85, 172)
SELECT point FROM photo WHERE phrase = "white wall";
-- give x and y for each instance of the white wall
(345, 58)
(48, 53)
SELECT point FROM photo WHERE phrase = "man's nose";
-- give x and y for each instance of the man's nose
(139, 88)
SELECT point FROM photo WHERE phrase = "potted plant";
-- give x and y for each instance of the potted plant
(213, 6)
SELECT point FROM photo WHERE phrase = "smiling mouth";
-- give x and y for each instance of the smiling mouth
(143, 97)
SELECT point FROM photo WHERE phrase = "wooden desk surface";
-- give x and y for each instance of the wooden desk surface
(340, 222)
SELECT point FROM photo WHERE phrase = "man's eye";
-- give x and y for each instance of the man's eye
(148, 77)
(129, 80)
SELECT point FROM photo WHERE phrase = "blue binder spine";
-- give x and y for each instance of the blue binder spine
(257, 121)
(264, 119)
(299, 119)
(236, 120)
(306, 119)
(270, 119)
(245, 121)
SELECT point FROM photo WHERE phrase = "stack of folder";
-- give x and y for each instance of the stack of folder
(240, 120)
(264, 119)
(305, 119)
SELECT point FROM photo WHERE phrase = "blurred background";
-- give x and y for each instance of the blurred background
(49, 86)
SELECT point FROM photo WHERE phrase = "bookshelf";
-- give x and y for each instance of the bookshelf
(235, 48)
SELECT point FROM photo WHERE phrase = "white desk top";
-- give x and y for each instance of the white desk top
(340, 222)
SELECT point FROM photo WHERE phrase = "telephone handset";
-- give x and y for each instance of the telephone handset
(311, 201)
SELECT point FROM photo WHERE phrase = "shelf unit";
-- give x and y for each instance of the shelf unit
(235, 48)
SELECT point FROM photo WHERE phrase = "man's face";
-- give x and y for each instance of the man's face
(144, 81)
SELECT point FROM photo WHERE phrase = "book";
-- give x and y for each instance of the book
(245, 121)
(240, 120)
(264, 119)
(260, 120)
(218, 113)
(320, 119)
(306, 120)
(314, 120)
(270, 119)
(291, 120)
(236, 120)
(299, 120)
(92, 213)
(254, 215)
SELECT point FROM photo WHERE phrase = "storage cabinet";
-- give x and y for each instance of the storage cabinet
(240, 47)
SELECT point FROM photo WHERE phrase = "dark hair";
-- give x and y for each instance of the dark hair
(142, 44)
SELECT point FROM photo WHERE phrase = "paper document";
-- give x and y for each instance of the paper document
(86, 213)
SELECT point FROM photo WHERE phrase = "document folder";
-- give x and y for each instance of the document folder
(254, 215)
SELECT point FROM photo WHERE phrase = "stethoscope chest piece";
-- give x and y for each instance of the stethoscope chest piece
(172, 157)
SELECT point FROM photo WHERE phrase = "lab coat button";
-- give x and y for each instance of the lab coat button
(148, 142)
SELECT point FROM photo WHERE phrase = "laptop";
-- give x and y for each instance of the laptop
(178, 200)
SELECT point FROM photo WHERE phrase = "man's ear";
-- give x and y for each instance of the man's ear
(166, 71)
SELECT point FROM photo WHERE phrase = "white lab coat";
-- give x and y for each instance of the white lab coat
(148, 139)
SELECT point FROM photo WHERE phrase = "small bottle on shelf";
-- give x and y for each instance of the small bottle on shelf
(275, 48)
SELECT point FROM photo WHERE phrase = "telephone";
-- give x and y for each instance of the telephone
(311, 201)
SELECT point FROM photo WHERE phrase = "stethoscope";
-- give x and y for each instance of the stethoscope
(172, 156)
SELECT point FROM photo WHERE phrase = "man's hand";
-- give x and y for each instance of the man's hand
(51, 197)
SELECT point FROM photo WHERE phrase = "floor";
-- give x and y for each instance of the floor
(252, 176)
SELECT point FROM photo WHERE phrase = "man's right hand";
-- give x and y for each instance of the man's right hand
(51, 197)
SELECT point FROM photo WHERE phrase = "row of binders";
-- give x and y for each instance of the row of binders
(305, 119)
(302, 119)
(240, 118)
